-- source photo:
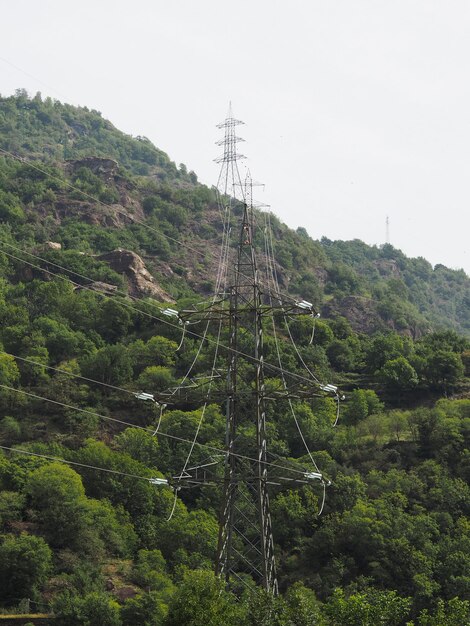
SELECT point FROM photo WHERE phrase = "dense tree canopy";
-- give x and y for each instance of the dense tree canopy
(84, 532)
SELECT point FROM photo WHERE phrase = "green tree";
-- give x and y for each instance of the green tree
(141, 445)
(10, 208)
(443, 369)
(113, 320)
(155, 378)
(398, 375)
(12, 505)
(9, 372)
(156, 351)
(61, 341)
(341, 355)
(25, 563)
(147, 609)
(111, 365)
(455, 612)
(33, 373)
(150, 573)
(370, 608)
(94, 609)
(361, 404)
(189, 538)
(357, 408)
(397, 423)
(201, 600)
(293, 513)
(303, 608)
(57, 495)
(10, 430)
(264, 609)
(385, 348)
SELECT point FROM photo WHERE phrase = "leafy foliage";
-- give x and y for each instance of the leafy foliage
(393, 541)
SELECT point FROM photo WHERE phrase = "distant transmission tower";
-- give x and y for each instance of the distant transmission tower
(387, 230)
(245, 544)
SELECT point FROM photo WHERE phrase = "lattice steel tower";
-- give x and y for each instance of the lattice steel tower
(245, 543)
(245, 535)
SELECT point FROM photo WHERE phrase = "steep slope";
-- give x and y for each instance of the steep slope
(87, 246)
(375, 288)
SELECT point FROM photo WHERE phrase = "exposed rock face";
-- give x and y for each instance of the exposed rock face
(53, 245)
(360, 312)
(321, 275)
(140, 280)
(114, 215)
(106, 169)
(125, 593)
(388, 267)
(364, 317)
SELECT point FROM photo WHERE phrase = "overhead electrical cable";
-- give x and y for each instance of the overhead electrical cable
(158, 319)
(276, 284)
(116, 291)
(294, 344)
(149, 430)
(38, 364)
(202, 253)
(220, 277)
(72, 374)
(94, 467)
(33, 77)
(114, 207)
(284, 382)
(221, 281)
(272, 271)
(276, 342)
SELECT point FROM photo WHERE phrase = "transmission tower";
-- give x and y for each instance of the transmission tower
(245, 542)
(245, 510)
(229, 181)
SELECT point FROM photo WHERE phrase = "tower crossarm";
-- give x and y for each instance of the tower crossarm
(217, 311)
(240, 311)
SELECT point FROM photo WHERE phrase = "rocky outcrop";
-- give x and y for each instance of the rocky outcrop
(140, 280)
(388, 268)
(360, 312)
(106, 169)
(115, 214)
(53, 245)
(125, 593)
(364, 316)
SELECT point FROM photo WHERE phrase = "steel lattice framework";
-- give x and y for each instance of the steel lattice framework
(245, 542)
(245, 533)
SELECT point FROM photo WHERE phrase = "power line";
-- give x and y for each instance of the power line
(33, 77)
(74, 408)
(61, 371)
(112, 207)
(62, 267)
(86, 378)
(158, 319)
(94, 467)
(149, 430)
(98, 201)
(107, 205)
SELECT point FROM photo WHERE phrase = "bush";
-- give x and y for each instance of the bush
(25, 563)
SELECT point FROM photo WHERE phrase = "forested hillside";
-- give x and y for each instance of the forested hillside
(98, 233)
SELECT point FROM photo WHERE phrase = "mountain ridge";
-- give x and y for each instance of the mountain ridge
(93, 525)
(406, 295)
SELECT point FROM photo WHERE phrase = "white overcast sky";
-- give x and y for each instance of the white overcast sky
(354, 109)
